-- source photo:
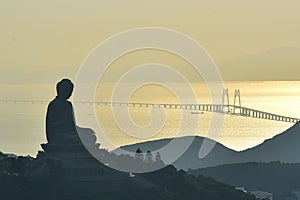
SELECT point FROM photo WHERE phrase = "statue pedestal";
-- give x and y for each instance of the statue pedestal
(72, 166)
(72, 162)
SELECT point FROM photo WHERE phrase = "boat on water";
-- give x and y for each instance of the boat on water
(196, 113)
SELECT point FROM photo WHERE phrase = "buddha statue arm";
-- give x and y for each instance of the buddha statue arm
(71, 119)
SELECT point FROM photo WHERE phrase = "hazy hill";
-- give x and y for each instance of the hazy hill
(284, 147)
(272, 176)
(219, 155)
(275, 177)
(275, 64)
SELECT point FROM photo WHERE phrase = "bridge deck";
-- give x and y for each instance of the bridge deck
(220, 108)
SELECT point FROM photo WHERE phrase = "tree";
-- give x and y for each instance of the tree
(158, 159)
(149, 157)
(139, 154)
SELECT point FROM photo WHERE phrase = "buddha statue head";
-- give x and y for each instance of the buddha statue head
(64, 89)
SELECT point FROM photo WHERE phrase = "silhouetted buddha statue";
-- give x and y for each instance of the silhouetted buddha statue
(60, 121)
(64, 156)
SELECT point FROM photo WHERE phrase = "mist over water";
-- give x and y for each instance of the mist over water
(22, 126)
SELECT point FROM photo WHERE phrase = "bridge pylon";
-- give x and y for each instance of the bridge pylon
(225, 98)
(237, 96)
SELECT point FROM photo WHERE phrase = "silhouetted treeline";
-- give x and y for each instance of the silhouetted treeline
(167, 183)
(181, 185)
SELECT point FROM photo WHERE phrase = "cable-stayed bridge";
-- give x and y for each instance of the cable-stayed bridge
(225, 107)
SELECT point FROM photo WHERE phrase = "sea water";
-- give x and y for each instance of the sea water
(22, 125)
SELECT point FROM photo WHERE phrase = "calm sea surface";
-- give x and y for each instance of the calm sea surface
(22, 125)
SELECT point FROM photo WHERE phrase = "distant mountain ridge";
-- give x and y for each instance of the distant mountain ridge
(280, 64)
(283, 147)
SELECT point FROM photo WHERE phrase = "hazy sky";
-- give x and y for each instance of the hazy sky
(52, 37)
(42, 41)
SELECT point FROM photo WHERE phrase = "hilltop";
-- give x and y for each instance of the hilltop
(219, 154)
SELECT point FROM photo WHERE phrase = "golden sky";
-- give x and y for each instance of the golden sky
(42, 41)
(52, 37)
